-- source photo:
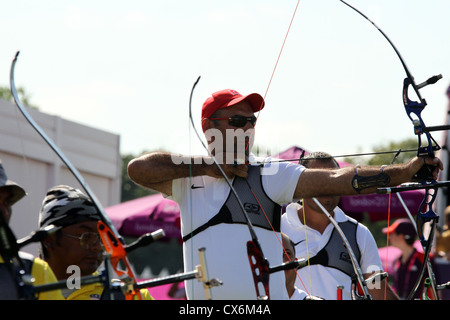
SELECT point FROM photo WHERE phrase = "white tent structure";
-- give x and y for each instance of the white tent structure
(29, 161)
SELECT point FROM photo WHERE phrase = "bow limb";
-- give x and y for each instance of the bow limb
(106, 220)
(55, 148)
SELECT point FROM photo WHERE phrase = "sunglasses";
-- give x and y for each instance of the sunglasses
(238, 121)
(88, 240)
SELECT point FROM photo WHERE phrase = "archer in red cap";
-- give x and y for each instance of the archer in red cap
(228, 98)
(402, 235)
(404, 227)
(212, 217)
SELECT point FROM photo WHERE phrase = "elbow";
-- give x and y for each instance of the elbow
(134, 170)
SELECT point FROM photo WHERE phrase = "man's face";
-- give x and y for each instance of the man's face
(229, 142)
(328, 202)
(5, 203)
(68, 250)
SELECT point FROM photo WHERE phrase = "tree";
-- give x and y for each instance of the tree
(388, 158)
(131, 190)
(5, 93)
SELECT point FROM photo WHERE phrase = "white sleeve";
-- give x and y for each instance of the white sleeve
(370, 258)
(280, 180)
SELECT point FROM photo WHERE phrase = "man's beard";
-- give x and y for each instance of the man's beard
(235, 148)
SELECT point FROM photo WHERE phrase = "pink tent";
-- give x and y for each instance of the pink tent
(147, 214)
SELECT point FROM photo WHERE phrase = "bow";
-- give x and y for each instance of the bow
(105, 219)
(414, 109)
(113, 242)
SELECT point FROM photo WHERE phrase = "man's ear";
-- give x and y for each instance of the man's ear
(207, 124)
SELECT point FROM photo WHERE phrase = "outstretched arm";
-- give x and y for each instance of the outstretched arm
(157, 170)
(317, 182)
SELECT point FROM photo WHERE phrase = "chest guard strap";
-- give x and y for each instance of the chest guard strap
(334, 254)
(253, 196)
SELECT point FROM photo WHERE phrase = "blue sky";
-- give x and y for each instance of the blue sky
(128, 67)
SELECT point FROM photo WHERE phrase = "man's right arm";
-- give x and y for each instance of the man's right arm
(157, 170)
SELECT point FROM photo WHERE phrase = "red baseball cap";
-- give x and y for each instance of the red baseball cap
(227, 98)
(402, 226)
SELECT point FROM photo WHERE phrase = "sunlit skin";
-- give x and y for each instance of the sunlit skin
(242, 108)
(315, 217)
(64, 251)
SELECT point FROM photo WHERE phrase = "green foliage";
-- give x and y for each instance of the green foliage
(130, 190)
(387, 152)
(5, 93)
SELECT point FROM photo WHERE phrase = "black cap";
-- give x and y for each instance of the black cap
(64, 206)
(17, 192)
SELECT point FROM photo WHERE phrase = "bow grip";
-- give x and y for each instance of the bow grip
(424, 174)
(260, 269)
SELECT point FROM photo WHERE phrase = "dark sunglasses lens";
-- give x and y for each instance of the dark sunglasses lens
(241, 121)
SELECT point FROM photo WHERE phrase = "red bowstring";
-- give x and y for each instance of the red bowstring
(282, 47)
(257, 116)
(276, 63)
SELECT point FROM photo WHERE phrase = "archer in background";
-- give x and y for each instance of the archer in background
(211, 216)
(317, 240)
(11, 193)
(77, 244)
(402, 235)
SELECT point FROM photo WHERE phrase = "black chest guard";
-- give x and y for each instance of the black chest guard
(334, 254)
(253, 197)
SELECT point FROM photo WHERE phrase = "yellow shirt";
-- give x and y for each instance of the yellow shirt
(94, 291)
(43, 274)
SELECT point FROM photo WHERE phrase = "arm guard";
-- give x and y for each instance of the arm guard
(360, 183)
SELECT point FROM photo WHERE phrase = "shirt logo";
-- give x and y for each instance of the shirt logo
(344, 256)
(251, 208)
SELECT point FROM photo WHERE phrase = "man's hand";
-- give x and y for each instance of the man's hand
(230, 171)
(425, 168)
